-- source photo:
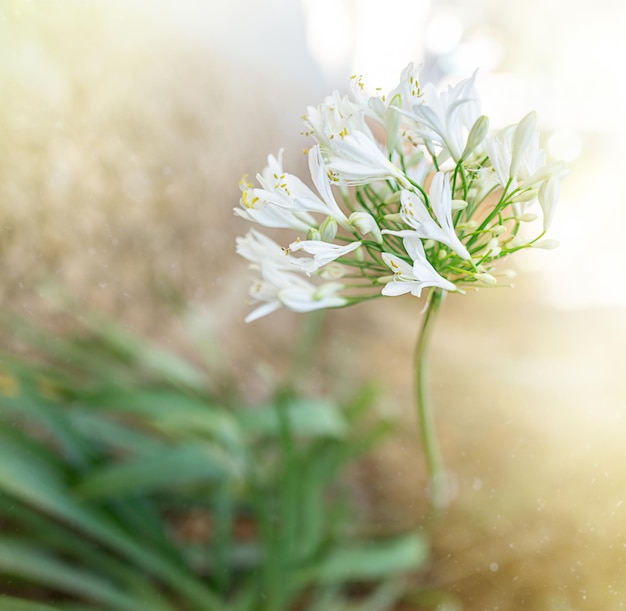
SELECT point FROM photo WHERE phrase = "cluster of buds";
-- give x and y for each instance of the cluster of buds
(410, 190)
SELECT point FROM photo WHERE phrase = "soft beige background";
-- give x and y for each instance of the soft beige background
(124, 129)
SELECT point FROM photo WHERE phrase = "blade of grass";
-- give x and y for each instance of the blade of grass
(32, 564)
(307, 418)
(373, 561)
(171, 467)
(56, 538)
(40, 485)
(9, 603)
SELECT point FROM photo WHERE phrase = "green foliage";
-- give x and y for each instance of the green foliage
(111, 450)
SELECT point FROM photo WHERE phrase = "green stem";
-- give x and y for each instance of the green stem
(438, 485)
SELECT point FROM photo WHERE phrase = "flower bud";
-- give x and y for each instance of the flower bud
(486, 278)
(526, 195)
(365, 223)
(476, 136)
(328, 229)
(394, 198)
(459, 204)
(493, 247)
(516, 242)
(527, 217)
(392, 122)
(548, 197)
(313, 234)
(521, 139)
(545, 244)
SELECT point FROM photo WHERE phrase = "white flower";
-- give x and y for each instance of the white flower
(323, 253)
(356, 159)
(352, 154)
(415, 214)
(282, 288)
(308, 298)
(333, 118)
(445, 119)
(515, 156)
(408, 89)
(270, 209)
(261, 251)
(273, 204)
(327, 204)
(383, 107)
(267, 294)
(284, 201)
(412, 279)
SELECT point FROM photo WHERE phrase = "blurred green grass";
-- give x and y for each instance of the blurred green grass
(127, 483)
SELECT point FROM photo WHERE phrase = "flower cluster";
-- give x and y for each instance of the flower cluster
(410, 191)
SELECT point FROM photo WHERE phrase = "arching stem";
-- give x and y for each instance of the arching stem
(438, 485)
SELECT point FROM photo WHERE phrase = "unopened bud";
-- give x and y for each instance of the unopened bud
(392, 122)
(476, 136)
(486, 278)
(493, 248)
(526, 195)
(548, 197)
(547, 244)
(516, 242)
(394, 198)
(521, 139)
(328, 229)
(527, 217)
(365, 223)
(459, 204)
(313, 234)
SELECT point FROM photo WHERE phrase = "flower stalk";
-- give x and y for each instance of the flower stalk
(438, 483)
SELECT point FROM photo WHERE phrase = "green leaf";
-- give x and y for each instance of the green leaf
(168, 468)
(9, 603)
(307, 418)
(174, 413)
(372, 561)
(27, 562)
(38, 482)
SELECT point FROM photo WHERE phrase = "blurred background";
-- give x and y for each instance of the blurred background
(124, 130)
